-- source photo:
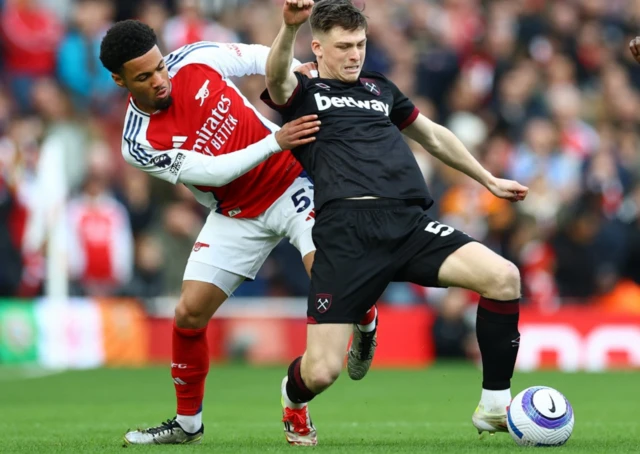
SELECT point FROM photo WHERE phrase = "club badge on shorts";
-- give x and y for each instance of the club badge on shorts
(323, 302)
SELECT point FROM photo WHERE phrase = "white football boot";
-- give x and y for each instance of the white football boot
(298, 427)
(167, 433)
(489, 422)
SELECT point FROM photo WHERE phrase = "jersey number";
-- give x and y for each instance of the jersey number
(439, 229)
(299, 199)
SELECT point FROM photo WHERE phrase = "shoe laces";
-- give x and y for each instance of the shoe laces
(166, 426)
(367, 342)
(298, 419)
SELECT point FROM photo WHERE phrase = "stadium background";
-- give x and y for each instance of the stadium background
(543, 92)
(92, 251)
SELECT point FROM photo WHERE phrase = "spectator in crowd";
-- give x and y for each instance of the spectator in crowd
(100, 242)
(30, 36)
(78, 65)
(189, 26)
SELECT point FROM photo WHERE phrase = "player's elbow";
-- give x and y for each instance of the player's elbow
(439, 139)
(275, 80)
(432, 143)
(277, 94)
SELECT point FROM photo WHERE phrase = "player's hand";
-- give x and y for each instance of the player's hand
(634, 47)
(507, 189)
(310, 70)
(298, 132)
(296, 12)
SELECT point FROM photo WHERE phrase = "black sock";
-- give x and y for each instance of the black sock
(296, 389)
(499, 340)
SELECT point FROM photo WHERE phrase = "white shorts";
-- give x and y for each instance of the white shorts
(228, 250)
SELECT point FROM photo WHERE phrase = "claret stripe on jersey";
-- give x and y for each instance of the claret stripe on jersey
(133, 124)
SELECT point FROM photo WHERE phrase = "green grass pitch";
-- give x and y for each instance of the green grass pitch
(389, 411)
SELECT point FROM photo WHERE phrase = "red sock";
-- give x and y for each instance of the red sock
(369, 316)
(189, 368)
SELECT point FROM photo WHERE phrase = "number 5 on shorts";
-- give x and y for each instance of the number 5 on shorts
(298, 199)
(439, 229)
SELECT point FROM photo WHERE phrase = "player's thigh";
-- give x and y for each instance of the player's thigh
(292, 216)
(307, 261)
(238, 246)
(348, 275)
(429, 246)
(476, 267)
(326, 347)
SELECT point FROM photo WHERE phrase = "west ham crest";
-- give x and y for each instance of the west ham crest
(323, 302)
(370, 85)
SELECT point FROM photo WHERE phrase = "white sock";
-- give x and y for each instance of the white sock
(190, 423)
(369, 326)
(495, 401)
(287, 402)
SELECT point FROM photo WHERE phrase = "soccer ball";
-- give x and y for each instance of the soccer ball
(540, 416)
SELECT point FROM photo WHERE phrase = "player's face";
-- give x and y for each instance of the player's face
(340, 53)
(147, 78)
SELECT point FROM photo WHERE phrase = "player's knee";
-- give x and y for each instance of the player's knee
(321, 375)
(505, 282)
(189, 314)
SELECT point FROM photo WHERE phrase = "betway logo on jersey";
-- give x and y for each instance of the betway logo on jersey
(324, 102)
(216, 129)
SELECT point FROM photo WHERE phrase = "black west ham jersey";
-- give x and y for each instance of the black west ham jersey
(359, 150)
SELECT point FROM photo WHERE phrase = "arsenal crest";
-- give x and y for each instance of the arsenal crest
(323, 302)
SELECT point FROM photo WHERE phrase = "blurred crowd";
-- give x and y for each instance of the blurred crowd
(543, 92)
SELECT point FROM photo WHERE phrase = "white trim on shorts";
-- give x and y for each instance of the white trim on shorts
(225, 280)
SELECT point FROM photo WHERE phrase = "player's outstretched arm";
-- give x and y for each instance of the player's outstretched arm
(179, 166)
(281, 82)
(221, 170)
(444, 145)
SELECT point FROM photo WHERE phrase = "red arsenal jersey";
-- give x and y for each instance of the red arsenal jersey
(210, 116)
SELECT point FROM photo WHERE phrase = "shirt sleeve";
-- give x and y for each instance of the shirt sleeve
(182, 166)
(403, 111)
(292, 103)
(230, 60)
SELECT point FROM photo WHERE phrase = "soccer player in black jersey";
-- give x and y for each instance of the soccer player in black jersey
(371, 224)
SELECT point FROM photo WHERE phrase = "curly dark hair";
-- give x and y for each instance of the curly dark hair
(125, 41)
(328, 14)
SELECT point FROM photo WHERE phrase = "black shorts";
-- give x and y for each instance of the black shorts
(363, 245)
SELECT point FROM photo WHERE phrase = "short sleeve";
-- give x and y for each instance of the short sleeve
(292, 103)
(403, 112)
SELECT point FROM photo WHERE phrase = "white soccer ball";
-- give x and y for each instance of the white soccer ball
(540, 416)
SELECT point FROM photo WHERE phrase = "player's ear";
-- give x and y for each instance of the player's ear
(118, 80)
(316, 48)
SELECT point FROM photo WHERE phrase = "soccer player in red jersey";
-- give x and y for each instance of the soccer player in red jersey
(188, 123)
